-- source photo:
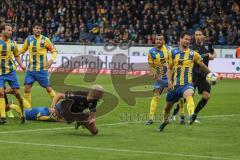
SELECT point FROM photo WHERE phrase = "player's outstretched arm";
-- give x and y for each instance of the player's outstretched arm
(169, 71)
(57, 98)
(24, 47)
(16, 54)
(52, 49)
(18, 59)
(169, 75)
(204, 68)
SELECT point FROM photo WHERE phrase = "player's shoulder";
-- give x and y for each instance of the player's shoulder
(13, 43)
(152, 52)
(29, 39)
(44, 38)
(175, 50)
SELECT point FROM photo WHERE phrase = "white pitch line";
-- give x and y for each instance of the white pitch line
(111, 124)
(215, 116)
(117, 150)
(60, 128)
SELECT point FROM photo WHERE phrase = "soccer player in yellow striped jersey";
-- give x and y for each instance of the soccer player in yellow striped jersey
(181, 61)
(8, 50)
(38, 47)
(157, 60)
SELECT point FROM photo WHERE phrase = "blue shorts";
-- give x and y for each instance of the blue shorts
(177, 93)
(40, 76)
(11, 78)
(35, 112)
(161, 84)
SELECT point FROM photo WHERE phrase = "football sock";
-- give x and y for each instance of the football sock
(181, 106)
(175, 111)
(52, 93)
(190, 105)
(2, 108)
(28, 97)
(153, 106)
(200, 105)
(16, 108)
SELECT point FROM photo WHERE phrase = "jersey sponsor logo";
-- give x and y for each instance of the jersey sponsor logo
(42, 43)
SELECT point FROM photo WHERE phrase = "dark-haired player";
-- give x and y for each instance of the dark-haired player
(207, 53)
(38, 47)
(8, 50)
(180, 66)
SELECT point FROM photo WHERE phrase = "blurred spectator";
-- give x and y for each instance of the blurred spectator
(117, 21)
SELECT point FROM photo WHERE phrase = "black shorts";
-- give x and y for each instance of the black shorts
(201, 84)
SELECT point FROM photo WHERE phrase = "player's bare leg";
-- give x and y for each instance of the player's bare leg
(27, 94)
(50, 91)
(17, 94)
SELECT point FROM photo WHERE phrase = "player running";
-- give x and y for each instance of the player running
(207, 53)
(8, 50)
(158, 60)
(181, 61)
(38, 46)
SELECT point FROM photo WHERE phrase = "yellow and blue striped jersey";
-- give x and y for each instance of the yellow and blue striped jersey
(8, 49)
(38, 48)
(158, 60)
(182, 63)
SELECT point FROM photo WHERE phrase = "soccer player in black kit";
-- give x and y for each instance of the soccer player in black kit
(71, 107)
(199, 77)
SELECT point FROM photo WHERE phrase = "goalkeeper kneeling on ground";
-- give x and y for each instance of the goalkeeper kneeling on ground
(72, 107)
(77, 106)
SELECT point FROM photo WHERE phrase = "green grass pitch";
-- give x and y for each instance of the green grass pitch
(123, 135)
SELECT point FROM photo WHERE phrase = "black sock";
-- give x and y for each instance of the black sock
(200, 105)
(175, 111)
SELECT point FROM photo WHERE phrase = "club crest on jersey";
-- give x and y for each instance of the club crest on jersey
(191, 53)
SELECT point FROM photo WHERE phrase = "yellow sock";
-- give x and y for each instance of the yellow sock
(10, 114)
(153, 107)
(52, 94)
(181, 106)
(28, 97)
(16, 108)
(26, 104)
(190, 105)
(2, 108)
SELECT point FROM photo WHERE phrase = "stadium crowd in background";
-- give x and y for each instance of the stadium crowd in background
(96, 22)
